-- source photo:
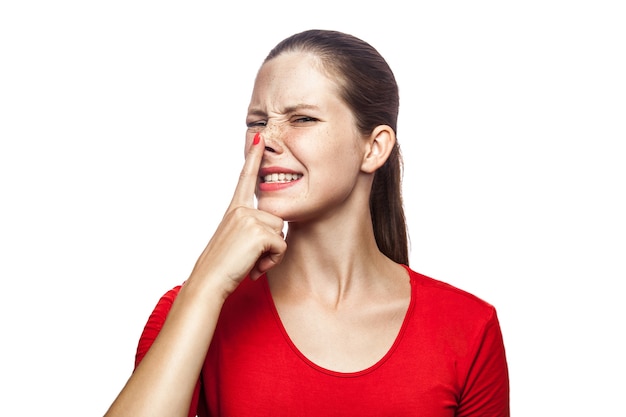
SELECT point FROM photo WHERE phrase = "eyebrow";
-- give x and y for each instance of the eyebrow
(286, 110)
(302, 106)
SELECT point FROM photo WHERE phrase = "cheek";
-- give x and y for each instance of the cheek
(335, 166)
(346, 153)
(333, 153)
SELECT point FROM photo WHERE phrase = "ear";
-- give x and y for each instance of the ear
(379, 146)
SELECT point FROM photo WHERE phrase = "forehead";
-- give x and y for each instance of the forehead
(294, 76)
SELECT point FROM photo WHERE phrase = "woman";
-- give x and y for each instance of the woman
(329, 319)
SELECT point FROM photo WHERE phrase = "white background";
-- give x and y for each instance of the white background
(122, 128)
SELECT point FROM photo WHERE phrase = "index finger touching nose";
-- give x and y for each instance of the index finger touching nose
(244, 193)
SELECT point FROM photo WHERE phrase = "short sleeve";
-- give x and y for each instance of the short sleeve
(486, 392)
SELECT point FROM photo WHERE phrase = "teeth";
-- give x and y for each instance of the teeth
(281, 177)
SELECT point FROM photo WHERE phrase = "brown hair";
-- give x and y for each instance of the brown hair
(369, 88)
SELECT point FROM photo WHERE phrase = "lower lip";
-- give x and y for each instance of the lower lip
(276, 186)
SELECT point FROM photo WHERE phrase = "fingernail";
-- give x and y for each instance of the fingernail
(257, 138)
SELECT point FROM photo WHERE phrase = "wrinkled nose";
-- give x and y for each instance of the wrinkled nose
(272, 135)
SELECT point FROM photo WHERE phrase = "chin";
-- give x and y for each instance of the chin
(283, 211)
(275, 209)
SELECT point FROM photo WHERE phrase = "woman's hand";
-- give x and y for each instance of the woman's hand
(248, 240)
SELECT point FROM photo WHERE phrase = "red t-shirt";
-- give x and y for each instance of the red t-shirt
(447, 360)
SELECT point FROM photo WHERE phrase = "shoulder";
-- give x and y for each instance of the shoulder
(445, 291)
(163, 306)
(155, 322)
(442, 302)
(167, 299)
(459, 321)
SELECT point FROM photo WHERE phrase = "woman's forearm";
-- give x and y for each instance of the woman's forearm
(163, 382)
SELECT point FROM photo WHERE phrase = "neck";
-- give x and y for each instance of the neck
(333, 261)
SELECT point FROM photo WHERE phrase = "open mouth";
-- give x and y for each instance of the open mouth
(280, 178)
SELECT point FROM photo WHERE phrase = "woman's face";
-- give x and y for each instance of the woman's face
(313, 149)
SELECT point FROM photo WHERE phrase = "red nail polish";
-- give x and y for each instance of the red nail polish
(257, 138)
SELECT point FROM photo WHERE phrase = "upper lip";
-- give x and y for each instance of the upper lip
(276, 170)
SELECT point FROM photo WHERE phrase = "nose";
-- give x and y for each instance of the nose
(272, 135)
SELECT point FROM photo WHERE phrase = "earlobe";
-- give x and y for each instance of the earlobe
(380, 144)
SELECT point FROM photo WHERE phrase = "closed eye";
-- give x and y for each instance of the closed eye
(304, 119)
(258, 123)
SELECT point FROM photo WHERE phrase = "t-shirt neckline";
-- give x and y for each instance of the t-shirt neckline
(373, 367)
